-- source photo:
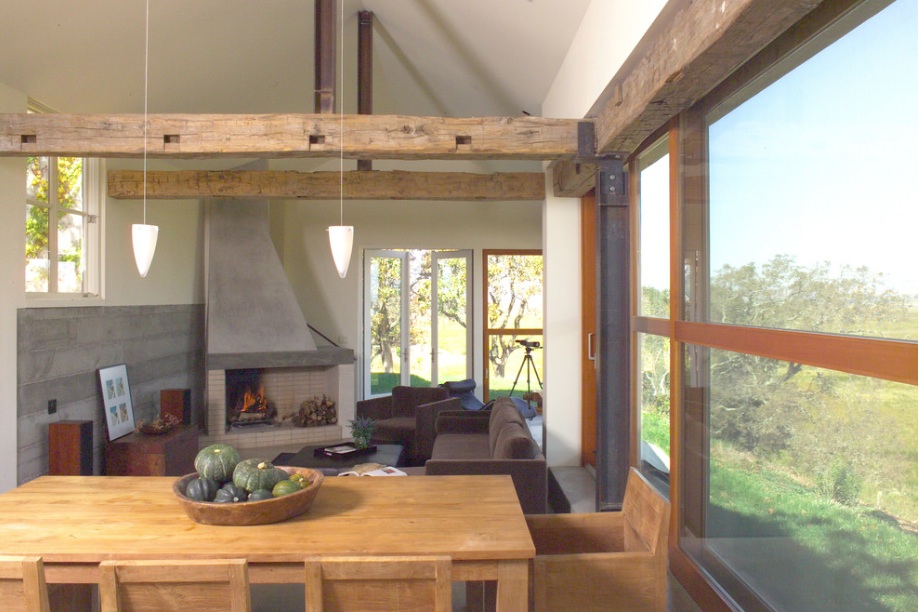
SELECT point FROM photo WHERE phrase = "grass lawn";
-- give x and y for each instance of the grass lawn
(863, 557)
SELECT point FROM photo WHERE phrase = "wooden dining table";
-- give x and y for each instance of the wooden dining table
(74, 522)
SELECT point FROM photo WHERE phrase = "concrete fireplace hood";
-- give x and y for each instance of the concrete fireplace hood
(253, 317)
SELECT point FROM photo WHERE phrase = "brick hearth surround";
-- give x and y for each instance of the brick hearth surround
(286, 387)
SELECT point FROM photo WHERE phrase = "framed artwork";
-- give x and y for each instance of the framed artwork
(116, 397)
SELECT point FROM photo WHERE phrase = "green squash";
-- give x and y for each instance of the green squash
(238, 494)
(202, 489)
(224, 497)
(285, 487)
(260, 494)
(217, 462)
(252, 474)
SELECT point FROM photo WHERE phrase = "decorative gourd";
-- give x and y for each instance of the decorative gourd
(285, 487)
(202, 489)
(252, 474)
(238, 494)
(224, 497)
(260, 494)
(217, 462)
(301, 480)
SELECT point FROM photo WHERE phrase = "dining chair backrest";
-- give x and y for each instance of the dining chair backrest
(22, 585)
(363, 583)
(181, 585)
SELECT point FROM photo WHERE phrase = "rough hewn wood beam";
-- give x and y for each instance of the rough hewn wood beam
(573, 179)
(702, 44)
(290, 135)
(358, 185)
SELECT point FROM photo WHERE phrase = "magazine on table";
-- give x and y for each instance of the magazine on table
(373, 469)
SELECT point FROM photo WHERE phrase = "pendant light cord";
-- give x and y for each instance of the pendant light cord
(341, 122)
(146, 64)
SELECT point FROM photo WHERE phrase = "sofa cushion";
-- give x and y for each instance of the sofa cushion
(504, 411)
(404, 399)
(396, 429)
(461, 446)
(515, 442)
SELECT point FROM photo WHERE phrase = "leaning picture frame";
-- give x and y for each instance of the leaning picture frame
(116, 400)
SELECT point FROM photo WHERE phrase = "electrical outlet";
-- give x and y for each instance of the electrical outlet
(52, 406)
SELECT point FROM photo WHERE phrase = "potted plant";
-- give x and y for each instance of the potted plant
(362, 429)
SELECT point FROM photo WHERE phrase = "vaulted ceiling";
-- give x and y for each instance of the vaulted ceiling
(450, 58)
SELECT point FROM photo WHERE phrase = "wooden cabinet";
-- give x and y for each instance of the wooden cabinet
(169, 454)
(70, 448)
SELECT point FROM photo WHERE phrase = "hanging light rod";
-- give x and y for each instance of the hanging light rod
(341, 236)
(143, 236)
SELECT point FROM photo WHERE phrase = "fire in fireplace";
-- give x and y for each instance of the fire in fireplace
(247, 403)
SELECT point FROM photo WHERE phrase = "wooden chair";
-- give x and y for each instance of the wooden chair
(22, 585)
(603, 560)
(161, 585)
(356, 584)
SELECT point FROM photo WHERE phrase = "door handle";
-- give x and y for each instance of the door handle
(591, 355)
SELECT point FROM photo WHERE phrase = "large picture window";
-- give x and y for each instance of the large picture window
(798, 452)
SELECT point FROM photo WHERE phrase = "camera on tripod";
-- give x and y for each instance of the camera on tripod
(529, 345)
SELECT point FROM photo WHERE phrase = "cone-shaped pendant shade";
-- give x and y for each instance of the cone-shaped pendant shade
(144, 237)
(341, 238)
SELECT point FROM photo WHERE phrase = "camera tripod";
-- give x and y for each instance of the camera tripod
(529, 364)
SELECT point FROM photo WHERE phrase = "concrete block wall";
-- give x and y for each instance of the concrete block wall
(61, 349)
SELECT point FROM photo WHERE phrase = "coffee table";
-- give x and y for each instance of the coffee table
(385, 454)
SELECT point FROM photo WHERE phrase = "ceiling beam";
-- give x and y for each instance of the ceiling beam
(357, 185)
(700, 45)
(573, 179)
(190, 136)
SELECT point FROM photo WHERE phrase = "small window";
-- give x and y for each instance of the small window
(63, 209)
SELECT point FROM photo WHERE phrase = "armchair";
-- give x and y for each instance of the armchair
(603, 560)
(398, 415)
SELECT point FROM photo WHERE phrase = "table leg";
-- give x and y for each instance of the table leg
(513, 585)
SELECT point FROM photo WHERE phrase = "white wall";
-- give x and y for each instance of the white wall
(12, 288)
(608, 33)
(333, 305)
(176, 275)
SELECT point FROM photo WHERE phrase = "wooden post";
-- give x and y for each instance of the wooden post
(325, 56)
(365, 73)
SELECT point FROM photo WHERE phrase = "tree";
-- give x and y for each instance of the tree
(385, 322)
(761, 405)
(68, 195)
(514, 295)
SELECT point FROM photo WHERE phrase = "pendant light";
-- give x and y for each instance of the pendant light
(341, 237)
(144, 236)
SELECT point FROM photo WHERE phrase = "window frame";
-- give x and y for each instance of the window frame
(93, 231)
(887, 359)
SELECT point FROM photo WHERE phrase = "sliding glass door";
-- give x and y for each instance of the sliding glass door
(417, 322)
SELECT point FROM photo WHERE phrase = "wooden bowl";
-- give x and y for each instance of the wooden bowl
(250, 512)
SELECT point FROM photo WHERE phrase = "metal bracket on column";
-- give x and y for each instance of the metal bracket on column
(612, 181)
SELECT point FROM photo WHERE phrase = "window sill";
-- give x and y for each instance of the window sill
(55, 300)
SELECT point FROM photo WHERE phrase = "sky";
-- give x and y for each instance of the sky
(822, 164)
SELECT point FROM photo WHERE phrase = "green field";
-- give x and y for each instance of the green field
(863, 556)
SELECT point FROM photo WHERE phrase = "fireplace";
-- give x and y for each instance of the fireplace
(262, 359)
(282, 390)
(247, 402)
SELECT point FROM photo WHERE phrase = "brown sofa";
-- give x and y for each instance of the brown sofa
(495, 441)
(399, 415)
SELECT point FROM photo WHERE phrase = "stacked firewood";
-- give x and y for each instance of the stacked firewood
(315, 412)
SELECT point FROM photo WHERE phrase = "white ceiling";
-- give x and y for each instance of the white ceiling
(431, 57)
